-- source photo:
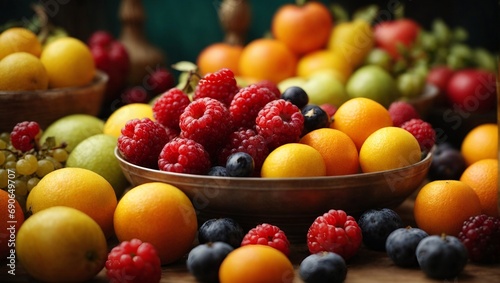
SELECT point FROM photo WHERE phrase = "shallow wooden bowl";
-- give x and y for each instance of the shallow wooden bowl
(292, 203)
(47, 106)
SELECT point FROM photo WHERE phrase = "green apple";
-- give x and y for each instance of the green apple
(292, 81)
(96, 153)
(61, 244)
(374, 82)
(73, 129)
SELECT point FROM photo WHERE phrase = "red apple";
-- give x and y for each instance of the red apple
(472, 90)
(439, 76)
(329, 109)
(389, 34)
(159, 80)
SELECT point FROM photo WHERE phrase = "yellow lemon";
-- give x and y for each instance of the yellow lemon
(293, 160)
(389, 148)
(324, 59)
(18, 39)
(117, 120)
(69, 63)
(22, 71)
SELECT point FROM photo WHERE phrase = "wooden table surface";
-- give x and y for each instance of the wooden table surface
(366, 266)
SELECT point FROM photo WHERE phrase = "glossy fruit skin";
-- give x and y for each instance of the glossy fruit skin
(159, 81)
(314, 118)
(439, 76)
(389, 33)
(218, 171)
(376, 225)
(447, 163)
(204, 260)
(296, 95)
(323, 267)
(441, 257)
(221, 230)
(401, 245)
(473, 90)
(240, 164)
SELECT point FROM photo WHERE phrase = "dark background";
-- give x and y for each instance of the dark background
(182, 28)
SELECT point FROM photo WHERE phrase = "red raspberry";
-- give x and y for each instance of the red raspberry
(141, 142)
(25, 135)
(423, 132)
(220, 85)
(182, 155)
(402, 111)
(245, 140)
(133, 261)
(269, 235)
(481, 236)
(337, 232)
(273, 87)
(206, 121)
(169, 107)
(247, 103)
(279, 122)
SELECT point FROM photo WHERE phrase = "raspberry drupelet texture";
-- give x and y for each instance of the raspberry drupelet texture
(401, 112)
(169, 107)
(206, 121)
(182, 155)
(245, 140)
(25, 135)
(269, 235)
(335, 231)
(133, 261)
(279, 122)
(247, 103)
(481, 236)
(220, 85)
(141, 142)
(273, 87)
(423, 132)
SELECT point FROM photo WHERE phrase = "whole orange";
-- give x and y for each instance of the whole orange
(217, 56)
(482, 177)
(481, 142)
(442, 206)
(160, 214)
(303, 28)
(11, 219)
(267, 59)
(256, 263)
(337, 148)
(360, 117)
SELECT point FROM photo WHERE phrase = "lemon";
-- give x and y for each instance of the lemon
(18, 39)
(293, 160)
(389, 148)
(69, 63)
(96, 153)
(117, 120)
(22, 71)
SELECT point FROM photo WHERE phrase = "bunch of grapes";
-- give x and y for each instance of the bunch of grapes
(24, 161)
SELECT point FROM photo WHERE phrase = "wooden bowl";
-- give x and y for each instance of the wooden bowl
(290, 203)
(44, 107)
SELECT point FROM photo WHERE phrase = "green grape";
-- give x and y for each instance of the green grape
(44, 167)
(32, 160)
(2, 157)
(24, 167)
(442, 32)
(21, 188)
(57, 164)
(10, 157)
(10, 165)
(5, 137)
(4, 179)
(32, 182)
(60, 154)
(3, 144)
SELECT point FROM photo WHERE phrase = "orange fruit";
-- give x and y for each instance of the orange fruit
(303, 28)
(256, 263)
(293, 160)
(389, 148)
(22, 71)
(479, 143)
(19, 39)
(78, 188)
(482, 177)
(217, 56)
(267, 59)
(68, 62)
(321, 60)
(160, 214)
(442, 206)
(12, 216)
(337, 148)
(360, 117)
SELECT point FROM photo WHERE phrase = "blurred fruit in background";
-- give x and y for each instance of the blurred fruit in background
(395, 36)
(19, 39)
(22, 71)
(217, 56)
(352, 39)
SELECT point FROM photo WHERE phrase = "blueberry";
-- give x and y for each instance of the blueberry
(376, 225)
(401, 245)
(314, 118)
(447, 163)
(240, 164)
(218, 171)
(204, 260)
(221, 230)
(321, 267)
(296, 95)
(441, 257)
